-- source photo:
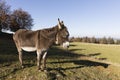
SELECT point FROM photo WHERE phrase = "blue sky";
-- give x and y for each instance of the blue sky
(97, 18)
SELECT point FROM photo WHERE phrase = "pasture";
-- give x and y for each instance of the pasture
(82, 61)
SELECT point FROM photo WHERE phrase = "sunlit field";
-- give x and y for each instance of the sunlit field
(82, 61)
(100, 51)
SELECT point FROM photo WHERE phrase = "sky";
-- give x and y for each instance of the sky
(98, 18)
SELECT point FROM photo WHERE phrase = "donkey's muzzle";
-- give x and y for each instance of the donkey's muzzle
(66, 44)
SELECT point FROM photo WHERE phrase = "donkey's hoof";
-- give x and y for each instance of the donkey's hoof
(45, 70)
(39, 69)
(42, 70)
(22, 67)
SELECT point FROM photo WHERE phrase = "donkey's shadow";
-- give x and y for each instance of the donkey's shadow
(81, 64)
(71, 57)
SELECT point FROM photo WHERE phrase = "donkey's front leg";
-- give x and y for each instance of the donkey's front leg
(39, 58)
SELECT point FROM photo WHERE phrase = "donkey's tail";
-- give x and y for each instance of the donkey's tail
(8, 31)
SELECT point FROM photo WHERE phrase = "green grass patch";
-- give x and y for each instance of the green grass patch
(107, 52)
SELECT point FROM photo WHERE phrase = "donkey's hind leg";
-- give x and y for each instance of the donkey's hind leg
(20, 58)
(44, 60)
(39, 58)
(19, 51)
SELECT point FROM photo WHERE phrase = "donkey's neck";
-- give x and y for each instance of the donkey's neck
(50, 34)
(53, 33)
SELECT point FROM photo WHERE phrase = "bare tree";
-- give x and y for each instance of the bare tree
(20, 20)
(4, 15)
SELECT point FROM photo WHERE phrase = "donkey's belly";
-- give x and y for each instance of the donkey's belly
(29, 49)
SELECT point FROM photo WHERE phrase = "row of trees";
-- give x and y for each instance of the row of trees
(14, 20)
(103, 40)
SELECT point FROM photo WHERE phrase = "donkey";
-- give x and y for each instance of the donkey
(40, 41)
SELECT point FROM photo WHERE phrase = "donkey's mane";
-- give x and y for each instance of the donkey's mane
(48, 30)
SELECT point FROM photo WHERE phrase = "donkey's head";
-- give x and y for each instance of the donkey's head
(62, 36)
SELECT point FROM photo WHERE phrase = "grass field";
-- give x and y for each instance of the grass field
(101, 51)
(82, 61)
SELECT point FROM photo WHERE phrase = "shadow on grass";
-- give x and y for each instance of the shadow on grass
(70, 57)
(76, 50)
(83, 63)
(60, 53)
(79, 64)
(95, 54)
(11, 71)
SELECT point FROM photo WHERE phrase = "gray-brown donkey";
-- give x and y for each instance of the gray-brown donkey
(40, 41)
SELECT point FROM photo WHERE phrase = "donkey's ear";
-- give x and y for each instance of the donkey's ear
(59, 24)
(62, 22)
(58, 20)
